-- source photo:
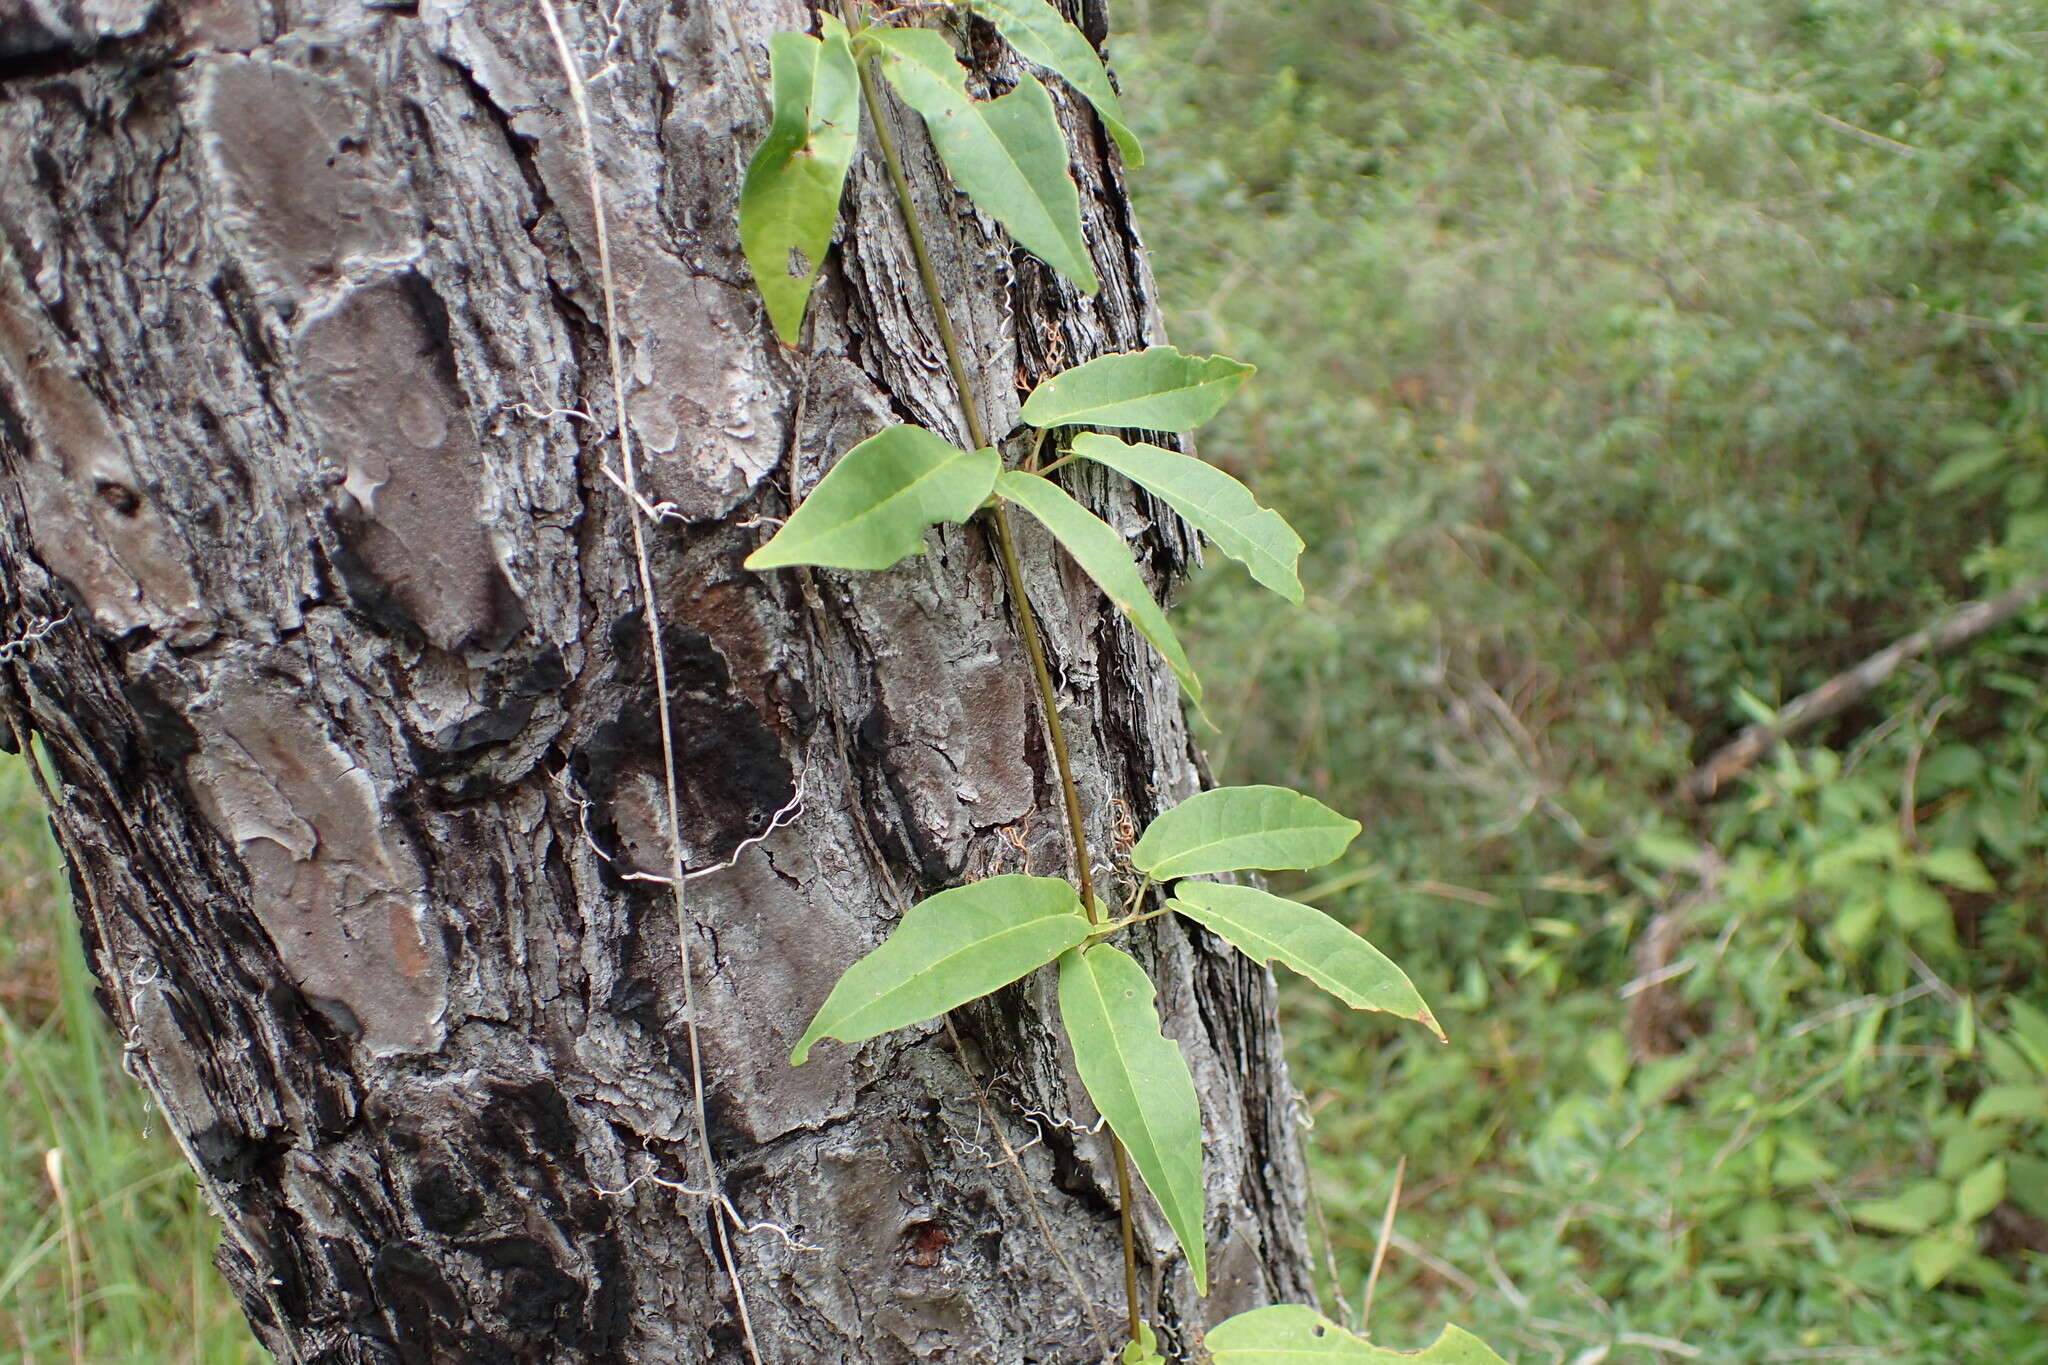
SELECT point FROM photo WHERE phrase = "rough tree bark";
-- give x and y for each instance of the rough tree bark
(303, 447)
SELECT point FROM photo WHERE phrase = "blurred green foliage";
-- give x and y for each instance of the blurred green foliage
(105, 1244)
(1631, 369)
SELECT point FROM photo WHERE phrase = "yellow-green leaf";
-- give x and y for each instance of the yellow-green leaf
(2010, 1102)
(1235, 829)
(1289, 1334)
(1936, 1256)
(790, 197)
(1919, 1207)
(1143, 1351)
(1980, 1191)
(1157, 389)
(872, 509)
(1102, 554)
(949, 949)
(1008, 154)
(1139, 1082)
(1042, 34)
(1269, 928)
(1959, 867)
(1215, 504)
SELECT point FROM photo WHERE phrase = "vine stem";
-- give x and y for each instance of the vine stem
(724, 1217)
(1027, 620)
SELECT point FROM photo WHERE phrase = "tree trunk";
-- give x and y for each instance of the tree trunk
(305, 423)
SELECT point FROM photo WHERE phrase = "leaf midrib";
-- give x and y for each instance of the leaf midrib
(1087, 416)
(875, 507)
(1035, 199)
(1162, 874)
(925, 971)
(1130, 1090)
(1206, 509)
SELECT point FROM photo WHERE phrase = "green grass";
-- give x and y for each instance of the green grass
(105, 1244)
(1614, 366)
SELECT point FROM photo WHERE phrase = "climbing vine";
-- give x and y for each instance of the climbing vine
(871, 511)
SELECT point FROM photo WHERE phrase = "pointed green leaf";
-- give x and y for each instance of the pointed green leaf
(2010, 1102)
(1139, 1082)
(1981, 1191)
(1289, 1334)
(1008, 154)
(1215, 504)
(790, 198)
(1101, 552)
(1267, 928)
(872, 508)
(1042, 34)
(1237, 829)
(949, 949)
(1959, 867)
(1917, 1208)
(1937, 1255)
(1158, 389)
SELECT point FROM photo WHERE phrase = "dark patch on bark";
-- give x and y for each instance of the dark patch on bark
(493, 725)
(419, 1298)
(371, 599)
(899, 824)
(732, 775)
(167, 737)
(231, 1156)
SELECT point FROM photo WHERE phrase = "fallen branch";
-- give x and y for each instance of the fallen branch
(1837, 694)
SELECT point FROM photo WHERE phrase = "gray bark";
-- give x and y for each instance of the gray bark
(349, 708)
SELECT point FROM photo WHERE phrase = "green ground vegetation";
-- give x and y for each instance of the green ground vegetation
(1632, 369)
(105, 1245)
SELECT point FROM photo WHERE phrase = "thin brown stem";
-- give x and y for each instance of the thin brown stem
(1034, 646)
(926, 273)
(1133, 1320)
(1027, 621)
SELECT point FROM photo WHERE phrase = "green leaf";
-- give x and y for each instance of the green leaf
(790, 198)
(1919, 1207)
(1235, 829)
(1267, 928)
(949, 949)
(1980, 1191)
(1936, 1255)
(2010, 1102)
(1968, 1147)
(2030, 1029)
(1289, 1333)
(1102, 554)
(1158, 389)
(1959, 867)
(1143, 1351)
(1042, 35)
(1215, 504)
(2029, 1184)
(1915, 906)
(1139, 1082)
(872, 508)
(1008, 154)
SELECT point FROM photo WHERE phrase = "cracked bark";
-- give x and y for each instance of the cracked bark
(302, 434)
